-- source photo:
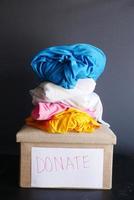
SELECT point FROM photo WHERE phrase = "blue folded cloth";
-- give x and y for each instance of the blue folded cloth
(64, 65)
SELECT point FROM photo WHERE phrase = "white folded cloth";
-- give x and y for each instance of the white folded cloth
(51, 92)
(81, 97)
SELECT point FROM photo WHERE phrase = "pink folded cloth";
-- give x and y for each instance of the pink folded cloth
(45, 110)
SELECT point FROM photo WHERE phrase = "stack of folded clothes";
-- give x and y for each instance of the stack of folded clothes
(65, 100)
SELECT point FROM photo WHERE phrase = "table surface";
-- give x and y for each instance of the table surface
(123, 183)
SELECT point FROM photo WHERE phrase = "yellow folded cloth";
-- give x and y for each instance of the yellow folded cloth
(71, 120)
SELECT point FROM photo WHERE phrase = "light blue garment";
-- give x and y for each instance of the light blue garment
(64, 65)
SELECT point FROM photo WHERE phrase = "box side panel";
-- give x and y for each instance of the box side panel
(25, 169)
(108, 163)
(25, 165)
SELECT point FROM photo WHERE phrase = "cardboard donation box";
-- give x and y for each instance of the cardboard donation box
(72, 160)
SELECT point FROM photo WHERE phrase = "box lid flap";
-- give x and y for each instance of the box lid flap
(102, 135)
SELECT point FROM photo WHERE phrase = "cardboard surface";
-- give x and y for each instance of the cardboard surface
(102, 135)
(31, 138)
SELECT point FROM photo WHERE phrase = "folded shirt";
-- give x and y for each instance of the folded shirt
(77, 97)
(71, 120)
(65, 65)
(50, 92)
(45, 110)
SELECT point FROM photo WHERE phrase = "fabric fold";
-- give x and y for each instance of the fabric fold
(79, 97)
(50, 92)
(71, 120)
(44, 111)
(65, 65)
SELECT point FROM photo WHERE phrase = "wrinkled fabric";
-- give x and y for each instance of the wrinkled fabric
(80, 99)
(44, 111)
(71, 120)
(65, 65)
(95, 108)
(50, 92)
(90, 103)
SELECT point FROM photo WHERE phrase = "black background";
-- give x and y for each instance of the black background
(28, 26)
